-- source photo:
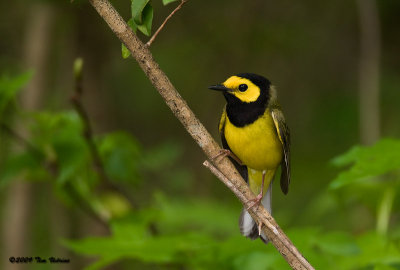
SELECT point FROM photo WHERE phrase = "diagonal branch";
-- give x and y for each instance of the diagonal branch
(182, 111)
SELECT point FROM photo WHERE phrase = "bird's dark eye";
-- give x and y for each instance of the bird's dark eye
(242, 87)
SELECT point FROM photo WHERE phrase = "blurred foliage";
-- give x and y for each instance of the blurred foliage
(57, 152)
(368, 162)
(176, 215)
(196, 233)
(9, 87)
(200, 234)
(158, 235)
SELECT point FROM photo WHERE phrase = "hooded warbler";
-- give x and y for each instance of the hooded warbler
(255, 136)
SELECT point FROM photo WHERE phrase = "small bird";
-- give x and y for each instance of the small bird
(256, 138)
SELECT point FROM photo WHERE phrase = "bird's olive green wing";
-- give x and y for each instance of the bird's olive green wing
(242, 169)
(221, 125)
(284, 136)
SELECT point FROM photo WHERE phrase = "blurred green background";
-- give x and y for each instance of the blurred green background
(157, 207)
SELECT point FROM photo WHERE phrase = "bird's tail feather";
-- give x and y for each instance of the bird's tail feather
(248, 227)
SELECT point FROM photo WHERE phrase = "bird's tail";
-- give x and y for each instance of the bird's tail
(248, 227)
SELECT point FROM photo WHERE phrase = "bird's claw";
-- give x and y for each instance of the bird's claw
(256, 201)
(222, 153)
(226, 153)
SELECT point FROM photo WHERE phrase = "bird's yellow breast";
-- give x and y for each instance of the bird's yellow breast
(257, 145)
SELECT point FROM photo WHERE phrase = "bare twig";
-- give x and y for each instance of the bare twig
(88, 133)
(148, 44)
(182, 111)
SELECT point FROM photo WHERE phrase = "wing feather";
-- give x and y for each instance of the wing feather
(284, 136)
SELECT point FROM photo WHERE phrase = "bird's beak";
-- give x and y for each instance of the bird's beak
(219, 87)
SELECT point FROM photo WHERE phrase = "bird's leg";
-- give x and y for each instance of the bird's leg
(257, 200)
(224, 153)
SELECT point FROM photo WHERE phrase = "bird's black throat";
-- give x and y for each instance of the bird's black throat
(241, 113)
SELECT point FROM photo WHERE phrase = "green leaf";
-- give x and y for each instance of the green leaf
(47, 126)
(116, 204)
(147, 16)
(337, 243)
(125, 52)
(161, 157)
(255, 260)
(166, 2)
(60, 134)
(137, 9)
(120, 153)
(72, 156)
(180, 214)
(132, 240)
(203, 235)
(103, 262)
(9, 87)
(142, 18)
(23, 164)
(367, 162)
(375, 250)
(133, 237)
(348, 157)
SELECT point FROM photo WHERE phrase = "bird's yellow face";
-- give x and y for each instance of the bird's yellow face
(242, 88)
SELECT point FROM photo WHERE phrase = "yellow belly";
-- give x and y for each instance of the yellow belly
(257, 145)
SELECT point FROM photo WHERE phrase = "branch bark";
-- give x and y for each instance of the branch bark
(182, 111)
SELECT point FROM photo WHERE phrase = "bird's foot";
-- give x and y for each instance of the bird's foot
(256, 201)
(222, 153)
(225, 153)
